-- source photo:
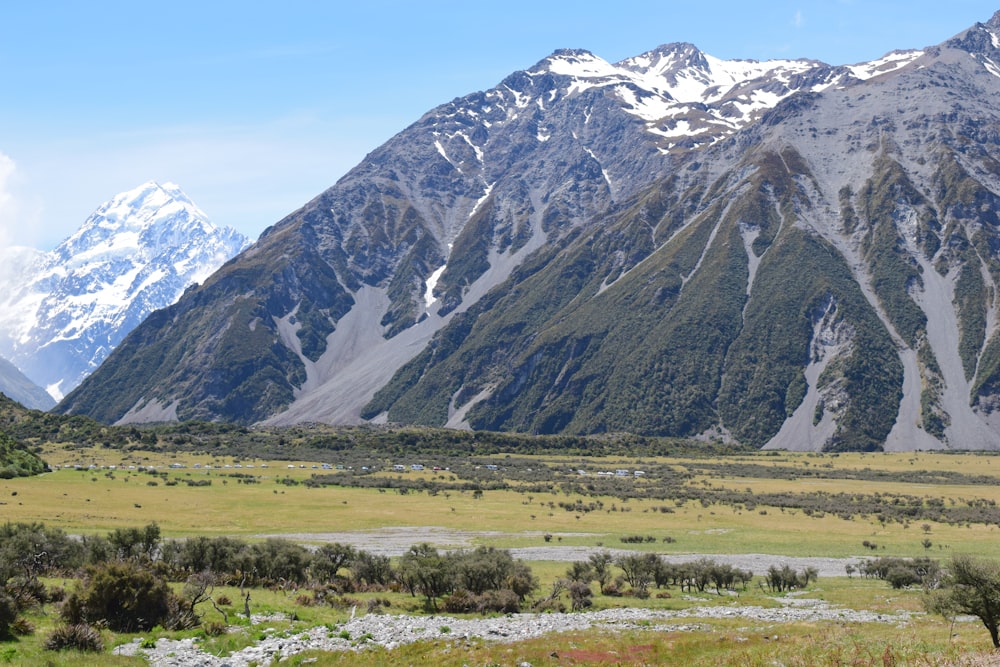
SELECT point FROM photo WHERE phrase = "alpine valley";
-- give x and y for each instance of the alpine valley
(783, 254)
(65, 310)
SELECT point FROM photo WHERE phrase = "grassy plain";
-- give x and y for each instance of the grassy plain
(250, 502)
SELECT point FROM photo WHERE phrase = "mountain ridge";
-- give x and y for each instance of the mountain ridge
(16, 386)
(576, 250)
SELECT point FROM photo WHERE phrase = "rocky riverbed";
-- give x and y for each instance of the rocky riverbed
(394, 541)
(394, 630)
(389, 630)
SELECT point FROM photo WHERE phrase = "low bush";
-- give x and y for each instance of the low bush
(8, 614)
(22, 627)
(76, 636)
(123, 596)
(214, 629)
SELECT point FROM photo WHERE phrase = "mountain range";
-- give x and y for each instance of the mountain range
(783, 254)
(66, 309)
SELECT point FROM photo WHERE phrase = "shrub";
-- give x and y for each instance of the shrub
(460, 602)
(22, 627)
(214, 629)
(902, 577)
(124, 596)
(503, 601)
(580, 595)
(8, 614)
(78, 636)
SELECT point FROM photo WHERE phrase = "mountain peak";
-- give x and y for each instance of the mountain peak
(151, 196)
(575, 63)
(149, 206)
(980, 39)
(674, 54)
(66, 309)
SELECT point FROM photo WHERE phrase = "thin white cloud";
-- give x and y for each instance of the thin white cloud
(799, 19)
(7, 213)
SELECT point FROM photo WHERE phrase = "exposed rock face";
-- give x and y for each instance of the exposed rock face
(787, 254)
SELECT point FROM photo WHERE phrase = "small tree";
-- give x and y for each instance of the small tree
(580, 595)
(426, 571)
(970, 586)
(639, 571)
(330, 558)
(368, 569)
(581, 571)
(601, 564)
(138, 544)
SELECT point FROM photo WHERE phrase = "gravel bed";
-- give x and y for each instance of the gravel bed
(394, 541)
(393, 630)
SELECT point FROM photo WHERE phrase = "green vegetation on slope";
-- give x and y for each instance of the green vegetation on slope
(883, 199)
(615, 333)
(219, 352)
(16, 461)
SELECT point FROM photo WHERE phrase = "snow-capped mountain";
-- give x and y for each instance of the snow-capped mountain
(65, 310)
(690, 98)
(785, 254)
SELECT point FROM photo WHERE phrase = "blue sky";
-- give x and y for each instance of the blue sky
(253, 108)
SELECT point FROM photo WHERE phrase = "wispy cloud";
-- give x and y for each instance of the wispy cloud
(7, 213)
(799, 19)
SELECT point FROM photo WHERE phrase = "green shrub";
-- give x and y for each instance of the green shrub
(124, 596)
(8, 614)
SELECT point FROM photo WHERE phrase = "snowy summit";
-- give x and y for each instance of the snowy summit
(65, 310)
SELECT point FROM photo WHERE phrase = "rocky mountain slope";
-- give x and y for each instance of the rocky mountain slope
(65, 310)
(787, 254)
(14, 384)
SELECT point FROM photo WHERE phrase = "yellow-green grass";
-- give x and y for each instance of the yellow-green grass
(99, 500)
(714, 643)
(92, 501)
